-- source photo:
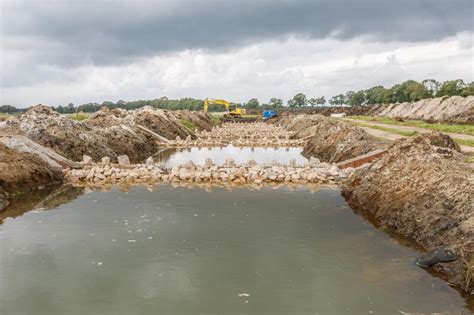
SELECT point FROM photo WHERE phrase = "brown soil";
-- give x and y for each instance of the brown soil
(424, 192)
(108, 132)
(330, 140)
(22, 172)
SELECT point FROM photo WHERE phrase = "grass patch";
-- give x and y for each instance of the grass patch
(469, 159)
(187, 123)
(469, 143)
(391, 130)
(215, 120)
(462, 129)
(79, 116)
(4, 117)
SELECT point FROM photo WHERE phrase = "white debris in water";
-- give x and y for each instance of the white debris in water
(99, 263)
(195, 214)
(113, 240)
(40, 222)
(139, 230)
(150, 237)
(244, 294)
(132, 241)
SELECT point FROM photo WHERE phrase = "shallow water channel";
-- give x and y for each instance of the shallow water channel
(241, 155)
(191, 251)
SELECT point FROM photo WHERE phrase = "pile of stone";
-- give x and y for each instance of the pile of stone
(241, 134)
(249, 173)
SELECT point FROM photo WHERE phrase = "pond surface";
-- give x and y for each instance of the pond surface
(189, 251)
(240, 155)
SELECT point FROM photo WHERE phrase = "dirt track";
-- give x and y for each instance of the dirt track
(393, 136)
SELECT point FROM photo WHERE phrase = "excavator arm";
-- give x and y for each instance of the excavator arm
(209, 101)
(232, 109)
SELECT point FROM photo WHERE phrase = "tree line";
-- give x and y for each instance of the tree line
(408, 91)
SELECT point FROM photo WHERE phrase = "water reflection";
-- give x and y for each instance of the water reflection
(241, 155)
(186, 251)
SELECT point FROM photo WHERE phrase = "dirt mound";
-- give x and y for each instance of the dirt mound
(447, 109)
(330, 140)
(424, 192)
(73, 139)
(107, 132)
(21, 172)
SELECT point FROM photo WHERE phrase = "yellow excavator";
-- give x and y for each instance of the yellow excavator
(233, 110)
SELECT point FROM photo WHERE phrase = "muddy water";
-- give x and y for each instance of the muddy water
(189, 251)
(240, 155)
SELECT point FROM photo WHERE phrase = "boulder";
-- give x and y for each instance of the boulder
(123, 160)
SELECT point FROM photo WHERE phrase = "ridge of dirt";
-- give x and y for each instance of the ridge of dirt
(329, 139)
(107, 132)
(21, 172)
(422, 189)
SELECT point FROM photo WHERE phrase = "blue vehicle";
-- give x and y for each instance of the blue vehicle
(267, 114)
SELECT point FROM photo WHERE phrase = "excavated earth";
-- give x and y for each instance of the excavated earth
(422, 189)
(22, 172)
(328, 139)
(450, 109)
(108, 132)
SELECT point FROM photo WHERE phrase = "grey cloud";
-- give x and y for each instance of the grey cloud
(74, 33)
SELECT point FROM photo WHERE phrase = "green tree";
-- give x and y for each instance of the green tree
(356, 98)
(337, 100)
(374, 95)
(298, 100)
(276, 102)
(432, 86)
(252, 104)
(451, 88)
(468, 90)
(317, 101)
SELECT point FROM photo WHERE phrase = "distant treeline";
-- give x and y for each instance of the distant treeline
(408, 91)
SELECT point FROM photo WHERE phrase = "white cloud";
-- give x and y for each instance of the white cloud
(267, 69)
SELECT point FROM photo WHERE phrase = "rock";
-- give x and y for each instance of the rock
(436, 256)
(149, 161)
(123, 160)
(105, 160)
(3, 202)
(86, 160)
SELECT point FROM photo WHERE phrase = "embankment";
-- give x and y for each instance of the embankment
(21, 172)
(422, 189)
(108, 132)
(449, 109)
(329, 139)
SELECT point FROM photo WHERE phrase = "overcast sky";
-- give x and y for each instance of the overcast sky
(57, 52)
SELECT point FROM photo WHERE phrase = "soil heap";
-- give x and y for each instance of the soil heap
(329, 139)
(422, 189)
(22, 172)
(108, 132)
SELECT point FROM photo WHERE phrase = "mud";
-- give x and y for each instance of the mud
(329, 139)
(23, 172)
(422, 189)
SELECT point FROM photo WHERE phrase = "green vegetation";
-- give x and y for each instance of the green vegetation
(79, 116)
(391, 130)
(469, 159)
(461, 129)
(187, 123)
(469, 143)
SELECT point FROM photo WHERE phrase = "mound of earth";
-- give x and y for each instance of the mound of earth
(422, 189)
(73, 139)
(330, 140)
(447, 109)
(21, 172)
(108, 132)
